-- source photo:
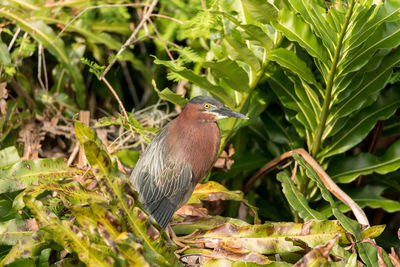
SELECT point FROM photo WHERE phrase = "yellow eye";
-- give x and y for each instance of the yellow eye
(206, 106)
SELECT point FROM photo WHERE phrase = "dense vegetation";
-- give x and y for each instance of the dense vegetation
(316, 76)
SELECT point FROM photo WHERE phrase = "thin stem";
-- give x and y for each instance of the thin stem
(132, 38)
(329, 85)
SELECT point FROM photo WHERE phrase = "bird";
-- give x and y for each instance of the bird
(179, 156)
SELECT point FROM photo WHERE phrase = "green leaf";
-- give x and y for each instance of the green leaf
(284, 90)
(297, 200)
(314, 14)
(5, 58)
(386, 37)
(295, 29)
(237, 50)
(368, 254)
(25, 248)
(181, 227)
(257, 35)
(170, 96)
(361, 124)
(231, 73)
(355, 94)
(128, 157)
(260, 10)
(289, 60)
(8, 157)
(347, 169)
(201, 81)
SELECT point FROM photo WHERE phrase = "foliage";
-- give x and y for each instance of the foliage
(318, 75)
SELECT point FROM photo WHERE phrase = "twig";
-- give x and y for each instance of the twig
(14, 38)
(167, 17)
(94, 7)
(162, 40)
(328, 182)
(73, 154)
(131, 38)
(120, 103)
(39, 75)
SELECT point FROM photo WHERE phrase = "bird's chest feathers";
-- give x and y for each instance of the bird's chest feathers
(197, 144)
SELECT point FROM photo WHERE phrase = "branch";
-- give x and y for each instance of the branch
(132, 38)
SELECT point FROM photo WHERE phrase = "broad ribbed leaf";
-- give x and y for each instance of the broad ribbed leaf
(289, 60)
(231, 73)
(35, 172)
(260, 10)
(387, 36)
(237, 50)
(297, 200)
(347, 169)
(256, 34)
(314, 14)
(285, 92)
(356, 94)
(367, 24)
(213, 191)
(361, 124)
(295, 29)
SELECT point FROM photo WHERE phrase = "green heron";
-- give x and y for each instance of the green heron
(180, 155)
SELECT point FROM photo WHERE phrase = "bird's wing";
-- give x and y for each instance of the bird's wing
(163, 194)
(161, 182)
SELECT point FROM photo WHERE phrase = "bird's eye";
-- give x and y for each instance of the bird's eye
(206, 106)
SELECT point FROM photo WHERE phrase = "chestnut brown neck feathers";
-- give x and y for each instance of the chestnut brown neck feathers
(196, 139)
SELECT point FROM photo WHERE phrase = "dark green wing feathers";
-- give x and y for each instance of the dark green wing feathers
(163, 184)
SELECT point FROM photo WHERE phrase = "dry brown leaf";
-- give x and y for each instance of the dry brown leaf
(189, 210)
(224, 161)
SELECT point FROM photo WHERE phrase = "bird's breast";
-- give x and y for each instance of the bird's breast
(196, 144)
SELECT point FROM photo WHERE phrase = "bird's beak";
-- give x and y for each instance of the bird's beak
(224, 112)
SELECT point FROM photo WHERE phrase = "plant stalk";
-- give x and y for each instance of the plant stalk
(329, 85)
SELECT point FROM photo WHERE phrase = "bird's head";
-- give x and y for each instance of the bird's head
(209, 109)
